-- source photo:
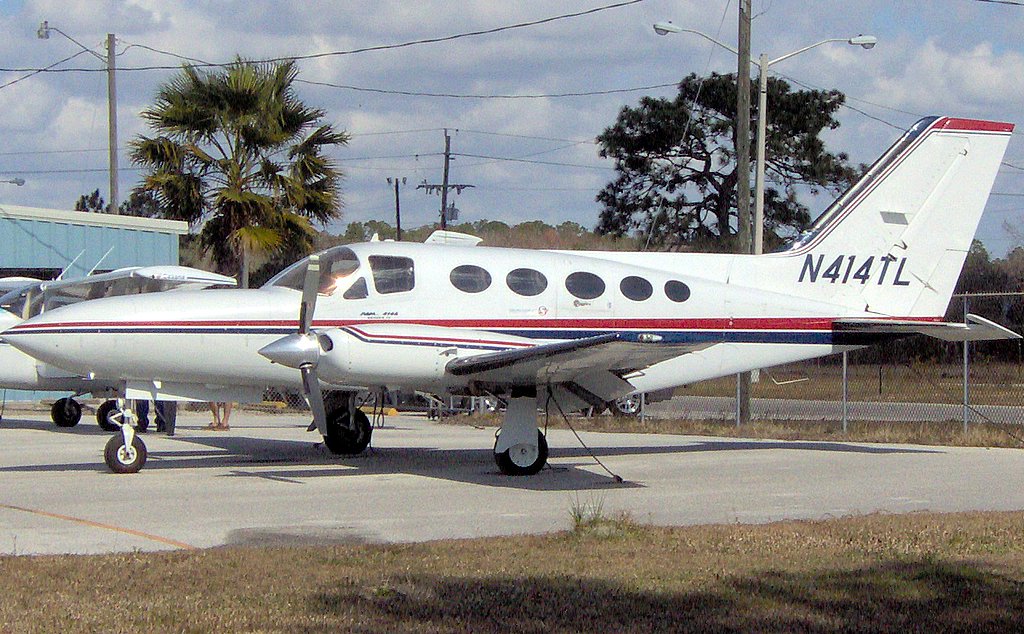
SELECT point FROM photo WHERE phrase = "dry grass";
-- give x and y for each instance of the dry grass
(920, 572)
(944, 433)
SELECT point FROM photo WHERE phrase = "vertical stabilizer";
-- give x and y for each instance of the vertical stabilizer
(894, 244)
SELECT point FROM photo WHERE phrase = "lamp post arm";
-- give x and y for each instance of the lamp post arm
(711, 39)
(82, 46)
(806, 48)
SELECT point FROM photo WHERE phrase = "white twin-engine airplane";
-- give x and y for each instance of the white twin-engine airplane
(536, 327)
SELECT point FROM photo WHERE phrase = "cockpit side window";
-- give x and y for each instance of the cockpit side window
(357, 290)
(337, 268)
(392, 274)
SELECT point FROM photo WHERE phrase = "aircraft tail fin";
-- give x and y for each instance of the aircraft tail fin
(895, 242)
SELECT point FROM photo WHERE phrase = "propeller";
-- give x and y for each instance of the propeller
(301, 350)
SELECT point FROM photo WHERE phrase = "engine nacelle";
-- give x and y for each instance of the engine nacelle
(401, 355)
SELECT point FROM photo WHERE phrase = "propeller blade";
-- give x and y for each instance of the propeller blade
(309, 290)
(311, 390)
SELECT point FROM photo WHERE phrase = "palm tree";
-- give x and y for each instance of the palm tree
(238, 153)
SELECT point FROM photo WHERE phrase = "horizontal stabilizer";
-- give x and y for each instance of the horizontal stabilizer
(976, 329)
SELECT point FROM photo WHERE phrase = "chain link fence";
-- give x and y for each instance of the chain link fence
(917, 379)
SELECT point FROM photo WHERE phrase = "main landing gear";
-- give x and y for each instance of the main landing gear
(520, 448)
(348, 429)
(66, 412)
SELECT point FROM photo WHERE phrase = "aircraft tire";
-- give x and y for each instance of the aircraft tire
(626, 406)
(122, 459)
(66, 412)
(532, 463)
(346, 442)
(103, 413)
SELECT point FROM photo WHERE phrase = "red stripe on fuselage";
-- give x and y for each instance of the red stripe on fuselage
(748, 323)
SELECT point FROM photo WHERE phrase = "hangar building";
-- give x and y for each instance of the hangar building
(40, 243)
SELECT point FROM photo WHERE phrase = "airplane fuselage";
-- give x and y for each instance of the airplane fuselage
(399, 312)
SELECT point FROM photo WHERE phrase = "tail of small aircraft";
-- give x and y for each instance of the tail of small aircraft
(894, 244)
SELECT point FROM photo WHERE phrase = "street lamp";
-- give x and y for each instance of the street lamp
(866, 42)
(44, 34)
(763, 64)
(14, 181)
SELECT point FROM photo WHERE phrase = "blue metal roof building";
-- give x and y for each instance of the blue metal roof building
(37, 242)
(40, 243)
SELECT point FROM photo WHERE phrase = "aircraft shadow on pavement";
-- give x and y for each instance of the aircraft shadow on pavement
(573, 468)
(45, 425)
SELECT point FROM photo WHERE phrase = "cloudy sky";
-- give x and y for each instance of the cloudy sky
(525, 144)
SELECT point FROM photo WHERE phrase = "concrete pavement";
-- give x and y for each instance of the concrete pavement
(267, 481)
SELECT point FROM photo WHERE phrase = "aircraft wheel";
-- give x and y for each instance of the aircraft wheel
(122, 458)
(523, 459)
(66, 412)
(627, 405)
(344, 441)
(104, 414)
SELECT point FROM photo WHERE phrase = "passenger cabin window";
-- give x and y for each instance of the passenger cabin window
(636, 288)
(337, 267)
(470, 278)
(677, 291)
(392, 274)
(584, 285)
(526, 282)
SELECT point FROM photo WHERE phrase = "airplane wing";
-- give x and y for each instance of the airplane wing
(128, 281)
(590, 368)
(976, 329)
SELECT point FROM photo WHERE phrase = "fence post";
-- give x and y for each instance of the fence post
(738, 397)
(846, 388)
(966, 372)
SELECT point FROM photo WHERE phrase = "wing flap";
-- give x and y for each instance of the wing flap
(593, 366)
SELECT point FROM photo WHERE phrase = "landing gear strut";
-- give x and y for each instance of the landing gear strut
(520, 448)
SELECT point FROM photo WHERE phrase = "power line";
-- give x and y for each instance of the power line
(442, 95)
(355, 51)
(519, 160)
(43, 70)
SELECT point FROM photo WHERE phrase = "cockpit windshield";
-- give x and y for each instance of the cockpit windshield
(338, 266)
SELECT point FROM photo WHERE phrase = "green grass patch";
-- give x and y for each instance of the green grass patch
(920, 572)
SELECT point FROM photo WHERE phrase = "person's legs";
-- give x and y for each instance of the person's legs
(216, 416)
(227, 414)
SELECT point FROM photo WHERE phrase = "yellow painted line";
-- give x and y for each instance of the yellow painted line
(109, 527)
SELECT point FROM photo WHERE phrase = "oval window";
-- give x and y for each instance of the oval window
(677, 291)
(584, 285)
(526, 282)
(636, 288)
(470, 278)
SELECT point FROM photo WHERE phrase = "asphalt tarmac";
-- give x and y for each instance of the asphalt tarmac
(267, 481)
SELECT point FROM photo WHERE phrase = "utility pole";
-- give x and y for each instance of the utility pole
(110, 60)
(743, 179)
(112, 121)
(445, 185)
(398, 207)
(444, 180)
